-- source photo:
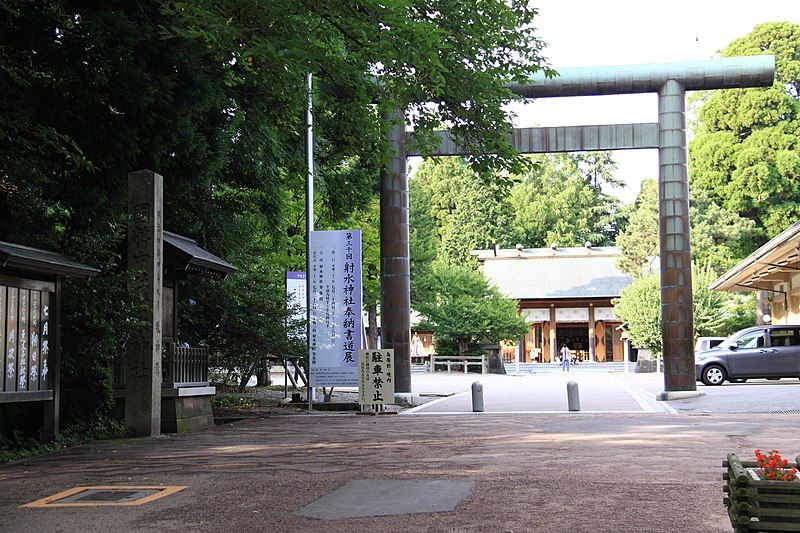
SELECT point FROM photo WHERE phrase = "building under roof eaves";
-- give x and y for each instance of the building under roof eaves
(565, 294)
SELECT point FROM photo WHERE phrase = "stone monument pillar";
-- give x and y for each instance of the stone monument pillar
(676, 264)
(145, 261)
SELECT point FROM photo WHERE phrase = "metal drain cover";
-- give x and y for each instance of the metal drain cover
(107, 496)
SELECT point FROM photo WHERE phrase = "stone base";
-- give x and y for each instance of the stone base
(186, 409)
(665, 396)
(406, 399)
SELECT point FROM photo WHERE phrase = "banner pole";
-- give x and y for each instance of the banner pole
(309, 228)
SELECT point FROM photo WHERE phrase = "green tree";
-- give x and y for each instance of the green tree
(746, 149)
(719, 236)
(467, 213)
(716, 313)
(560, 202)
(212, 97)
(463, 311)
(638, 244)
(442, 61)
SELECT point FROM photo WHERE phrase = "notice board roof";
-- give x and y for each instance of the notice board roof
(26, 259)
(183, 253)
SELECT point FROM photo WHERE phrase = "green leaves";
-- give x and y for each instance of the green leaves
(460, 307)
(715, 313)
(744, 153)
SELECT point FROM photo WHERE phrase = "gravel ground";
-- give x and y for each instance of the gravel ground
(555, 472)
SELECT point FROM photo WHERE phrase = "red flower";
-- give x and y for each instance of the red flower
(773, 466)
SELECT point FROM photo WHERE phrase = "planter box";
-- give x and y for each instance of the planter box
(755, 504)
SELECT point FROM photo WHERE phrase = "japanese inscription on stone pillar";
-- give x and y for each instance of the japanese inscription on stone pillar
(145, 261)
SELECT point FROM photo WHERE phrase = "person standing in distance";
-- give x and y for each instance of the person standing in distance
(565, 358)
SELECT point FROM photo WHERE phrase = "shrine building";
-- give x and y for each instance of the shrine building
(565, 295)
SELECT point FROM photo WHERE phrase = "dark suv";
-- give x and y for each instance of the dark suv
(771, 352)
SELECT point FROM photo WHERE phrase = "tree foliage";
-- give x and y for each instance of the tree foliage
(563, 202)
(746, 151)
(719, 237)
(211, 95)
(716, 313)
(462, 310)
(560, 199)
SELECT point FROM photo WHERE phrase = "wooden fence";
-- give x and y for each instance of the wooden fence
(181, 367)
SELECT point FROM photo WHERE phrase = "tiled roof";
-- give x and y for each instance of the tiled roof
(38, 260)
(193, 257)
(543, 273)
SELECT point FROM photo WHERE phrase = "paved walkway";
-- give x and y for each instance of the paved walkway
(621, 464)
(644, 472)
(536, 393)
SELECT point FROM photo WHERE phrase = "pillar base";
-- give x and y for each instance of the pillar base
(186, 409)
(407, 399)
(667, 395)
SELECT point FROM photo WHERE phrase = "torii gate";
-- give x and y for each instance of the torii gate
(670, 81)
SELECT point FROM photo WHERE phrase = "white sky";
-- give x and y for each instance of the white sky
(617, 32)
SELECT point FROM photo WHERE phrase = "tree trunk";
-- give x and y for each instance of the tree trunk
(463, 347)
(372, 326)
(262, 376)
(762, 307)
(246, 376)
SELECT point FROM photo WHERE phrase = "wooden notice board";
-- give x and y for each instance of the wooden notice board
(25, 339)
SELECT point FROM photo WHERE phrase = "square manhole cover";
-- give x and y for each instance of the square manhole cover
(104, 496)
(381, 497)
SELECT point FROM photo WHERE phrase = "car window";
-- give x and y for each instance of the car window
(751, 340)
(714, 343)
(784, 337)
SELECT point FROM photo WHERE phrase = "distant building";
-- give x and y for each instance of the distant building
(565, 295)
(775, 268)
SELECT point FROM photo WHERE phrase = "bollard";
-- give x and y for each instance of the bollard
(477, 397)
(573, 398)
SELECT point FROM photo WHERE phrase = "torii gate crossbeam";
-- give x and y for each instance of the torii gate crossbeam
(670, 81)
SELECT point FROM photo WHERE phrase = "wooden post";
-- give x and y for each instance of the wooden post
(51, 421)
(553, 334)
(592, 346)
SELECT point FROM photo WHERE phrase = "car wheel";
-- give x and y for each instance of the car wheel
(737, 380)
(714, 375)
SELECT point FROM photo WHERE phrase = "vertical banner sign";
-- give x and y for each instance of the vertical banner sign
(336, 328)
(375, 377)
(296, 296)
(24, 339)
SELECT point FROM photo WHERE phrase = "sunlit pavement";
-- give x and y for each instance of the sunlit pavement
(617, 465)
(549, 472)
(599, 392)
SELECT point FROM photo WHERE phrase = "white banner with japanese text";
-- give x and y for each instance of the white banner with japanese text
(376, 377)
(296, 296)
(336, 328)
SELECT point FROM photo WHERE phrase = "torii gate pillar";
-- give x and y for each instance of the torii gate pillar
(677, 335)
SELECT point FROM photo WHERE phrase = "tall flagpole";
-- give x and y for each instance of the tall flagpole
(309, 227)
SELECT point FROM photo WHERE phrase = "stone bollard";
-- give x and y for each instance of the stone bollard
(573, 398)
(477, 397)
